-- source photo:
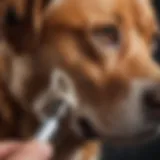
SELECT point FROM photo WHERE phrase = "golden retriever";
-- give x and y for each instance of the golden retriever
(102, 50)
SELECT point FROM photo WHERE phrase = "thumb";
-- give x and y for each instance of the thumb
(33, 151)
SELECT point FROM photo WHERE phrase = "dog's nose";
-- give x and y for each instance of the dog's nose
(152, 102)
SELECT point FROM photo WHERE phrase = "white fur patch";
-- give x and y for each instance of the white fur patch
(67, 91)
(20, 72)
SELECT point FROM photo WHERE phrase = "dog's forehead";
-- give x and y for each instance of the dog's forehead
(88, 14)
(84, 12)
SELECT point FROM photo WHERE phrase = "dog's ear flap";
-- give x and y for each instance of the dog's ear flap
(145, 15)
(22, 23)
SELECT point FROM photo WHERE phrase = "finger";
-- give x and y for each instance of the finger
(7, 148)
(35, 151)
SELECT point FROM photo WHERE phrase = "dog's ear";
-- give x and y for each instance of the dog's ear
(22, 23)
(145, 15)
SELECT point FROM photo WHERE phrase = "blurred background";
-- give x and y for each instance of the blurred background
(150, 151)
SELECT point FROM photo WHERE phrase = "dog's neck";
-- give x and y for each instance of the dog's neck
(70, 146)
(66, 142)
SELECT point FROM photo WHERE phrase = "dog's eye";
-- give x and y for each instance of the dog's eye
(108, 35)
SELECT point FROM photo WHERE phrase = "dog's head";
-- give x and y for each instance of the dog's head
(105, 49)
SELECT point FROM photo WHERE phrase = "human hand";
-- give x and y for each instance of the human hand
(21, 151)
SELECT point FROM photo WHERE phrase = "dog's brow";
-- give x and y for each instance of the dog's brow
(98, 13)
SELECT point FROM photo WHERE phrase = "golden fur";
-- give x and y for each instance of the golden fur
(68, 34)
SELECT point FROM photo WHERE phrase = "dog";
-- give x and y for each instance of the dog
(103, 49)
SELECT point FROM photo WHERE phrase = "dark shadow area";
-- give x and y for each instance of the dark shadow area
(150, 151)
